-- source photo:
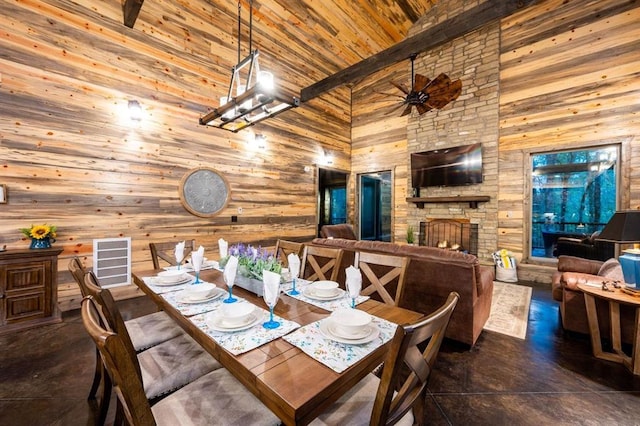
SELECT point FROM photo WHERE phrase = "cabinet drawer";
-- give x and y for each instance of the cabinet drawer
(27, 276)
(26, 306)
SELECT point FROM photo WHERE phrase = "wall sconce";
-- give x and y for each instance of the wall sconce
(260, 141)
(135, 110)
(328, 158)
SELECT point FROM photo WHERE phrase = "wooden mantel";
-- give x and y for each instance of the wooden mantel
(473, 200)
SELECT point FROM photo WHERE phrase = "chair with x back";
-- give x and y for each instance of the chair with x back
(166, 251)
(205, 401)
(384, 273)
(398, 396)
(320, 263)
(284, 248)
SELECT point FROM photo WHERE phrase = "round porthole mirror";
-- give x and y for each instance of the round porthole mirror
(204, 192)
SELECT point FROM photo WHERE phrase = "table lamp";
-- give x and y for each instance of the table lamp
(624, 228)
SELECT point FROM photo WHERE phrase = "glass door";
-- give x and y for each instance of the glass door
(375, 206)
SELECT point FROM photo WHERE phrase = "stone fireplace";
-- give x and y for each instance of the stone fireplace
(456, 234)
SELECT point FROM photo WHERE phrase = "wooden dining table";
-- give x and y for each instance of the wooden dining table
(296, 387)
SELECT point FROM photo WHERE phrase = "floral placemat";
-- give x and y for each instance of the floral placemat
(238, 342)
(189, 309)
(162, 289)
(329, 305)
(335, 355)
(187, 267)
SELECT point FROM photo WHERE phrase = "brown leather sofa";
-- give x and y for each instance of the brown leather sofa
(564, 288)
(341, 230)
(432, 274)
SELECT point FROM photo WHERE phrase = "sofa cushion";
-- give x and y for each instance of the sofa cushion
(611, 269)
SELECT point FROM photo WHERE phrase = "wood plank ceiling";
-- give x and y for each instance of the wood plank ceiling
(301, 41)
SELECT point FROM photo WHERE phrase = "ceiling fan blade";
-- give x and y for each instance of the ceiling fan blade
(420, 83)
(422, 108)
(444, 94)
(402, 87)
(406, 111)
(389, 94)
(394, 109)
(437, 84)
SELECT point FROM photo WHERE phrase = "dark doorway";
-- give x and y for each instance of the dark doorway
(332, 197)
(375, 206)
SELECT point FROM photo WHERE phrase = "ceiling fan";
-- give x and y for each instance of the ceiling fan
(427, 94)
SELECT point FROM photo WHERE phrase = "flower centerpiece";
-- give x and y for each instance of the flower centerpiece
(252, 261)
(41, 235)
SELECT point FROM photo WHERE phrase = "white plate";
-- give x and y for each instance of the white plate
(311, 294)
(215, 322)
(159, 283)
(183, 298)
(335, 330)
(325, 329)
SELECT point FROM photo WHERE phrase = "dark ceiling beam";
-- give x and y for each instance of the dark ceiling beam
(435, 36)
(130, 10)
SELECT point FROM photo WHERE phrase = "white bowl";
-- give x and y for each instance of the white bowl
(325, 288)
(234, 314)
(171, 276)
(349, 321)
(199, 291)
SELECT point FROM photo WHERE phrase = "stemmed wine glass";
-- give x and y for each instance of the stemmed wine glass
(179, 258)
(196, 263)
(294, 270)
(294, 276)
(353, 295)
(271, 299)
(229, 282)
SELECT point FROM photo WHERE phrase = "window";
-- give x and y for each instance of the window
(573, 194)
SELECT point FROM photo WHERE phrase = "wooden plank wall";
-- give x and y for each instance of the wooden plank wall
(69, 157)
(379, 140)
(569, 78)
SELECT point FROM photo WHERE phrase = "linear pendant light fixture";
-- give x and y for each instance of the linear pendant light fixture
(252, 99)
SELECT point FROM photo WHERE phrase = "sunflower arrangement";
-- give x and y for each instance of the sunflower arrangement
(40, 231)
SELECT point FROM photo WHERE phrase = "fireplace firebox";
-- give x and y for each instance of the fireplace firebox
(452, 234)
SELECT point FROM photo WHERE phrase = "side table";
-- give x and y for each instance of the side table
(614, 298)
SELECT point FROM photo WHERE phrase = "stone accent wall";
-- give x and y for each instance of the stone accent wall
(472, 118)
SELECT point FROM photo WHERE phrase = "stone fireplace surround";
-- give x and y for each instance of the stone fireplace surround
(460, 232)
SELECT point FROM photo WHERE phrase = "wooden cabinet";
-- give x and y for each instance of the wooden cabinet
(28, 288)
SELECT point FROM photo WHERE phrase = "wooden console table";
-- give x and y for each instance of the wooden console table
(615, 298)
(28, 288)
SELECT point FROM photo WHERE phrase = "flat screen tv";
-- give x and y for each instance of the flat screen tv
(458, 165)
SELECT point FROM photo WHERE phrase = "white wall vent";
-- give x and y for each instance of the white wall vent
(112, 261)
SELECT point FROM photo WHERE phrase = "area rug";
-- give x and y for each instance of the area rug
(509, 309)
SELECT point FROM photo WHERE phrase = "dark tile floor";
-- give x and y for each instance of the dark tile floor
(548, 378)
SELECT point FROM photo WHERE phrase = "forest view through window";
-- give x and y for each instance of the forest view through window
(573, 195)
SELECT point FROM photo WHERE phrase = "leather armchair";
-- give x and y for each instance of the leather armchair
(564, 288)
(586, 248)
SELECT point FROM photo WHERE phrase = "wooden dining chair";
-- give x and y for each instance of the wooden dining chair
(398, 396)
(214, 398)
(284, 248)
(320, 263)
(166, 251)
(145, 331)
(164, 367)
(382, 271)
